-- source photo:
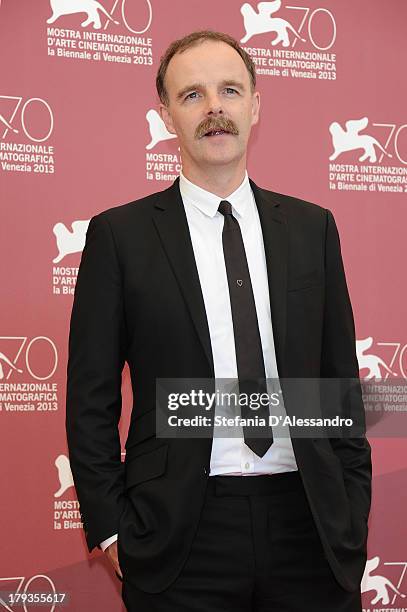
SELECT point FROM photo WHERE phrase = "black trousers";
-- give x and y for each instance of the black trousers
(256, 550)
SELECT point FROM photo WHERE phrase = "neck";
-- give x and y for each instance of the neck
(220, 180)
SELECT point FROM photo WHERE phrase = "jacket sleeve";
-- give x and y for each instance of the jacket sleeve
(96, 359)
(339, 360)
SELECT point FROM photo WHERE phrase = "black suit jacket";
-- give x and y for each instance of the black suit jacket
(138, 299)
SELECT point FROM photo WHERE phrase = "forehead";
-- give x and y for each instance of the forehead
(209, 62)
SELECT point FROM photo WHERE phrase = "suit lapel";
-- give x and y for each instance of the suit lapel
(170, 220)
(274, 228)
(172, 225)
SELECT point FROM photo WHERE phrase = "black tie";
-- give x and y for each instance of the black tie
(249, 354)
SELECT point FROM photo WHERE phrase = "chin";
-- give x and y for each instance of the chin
(228, 153)
(227, 157)
(220, 160)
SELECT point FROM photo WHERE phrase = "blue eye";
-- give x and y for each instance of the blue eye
(190, 94)
(231, 89)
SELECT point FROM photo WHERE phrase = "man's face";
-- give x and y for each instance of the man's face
(208, 87)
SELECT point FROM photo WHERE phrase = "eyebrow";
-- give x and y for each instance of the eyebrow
(224, 83)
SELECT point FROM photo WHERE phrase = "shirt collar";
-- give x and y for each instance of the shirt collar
(208, 202)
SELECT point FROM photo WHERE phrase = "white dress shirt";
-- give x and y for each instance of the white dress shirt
(230, 455)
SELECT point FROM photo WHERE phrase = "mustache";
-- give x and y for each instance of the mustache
(216, 123)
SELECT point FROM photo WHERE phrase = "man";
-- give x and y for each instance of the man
(215, 278)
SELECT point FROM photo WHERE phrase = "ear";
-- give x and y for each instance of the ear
(255, 107)
(166, 117)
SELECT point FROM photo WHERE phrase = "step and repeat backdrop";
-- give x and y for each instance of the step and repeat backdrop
(80, 132)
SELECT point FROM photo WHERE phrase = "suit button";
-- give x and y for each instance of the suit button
(205, 471)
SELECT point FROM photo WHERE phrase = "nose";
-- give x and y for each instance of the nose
(214, 104)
